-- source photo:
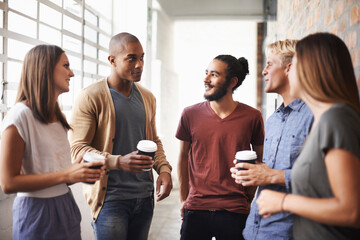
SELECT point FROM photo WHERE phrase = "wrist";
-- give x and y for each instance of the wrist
(277, 177)
(283, 202)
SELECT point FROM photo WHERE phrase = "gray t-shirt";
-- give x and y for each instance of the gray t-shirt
(338, 128)
(129, 130)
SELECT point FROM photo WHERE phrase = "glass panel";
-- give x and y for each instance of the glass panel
(17, 49)
(22, 25)
(105, 25)
(14, 71)
(73, 7)
(72, 25)
(89, 67)
(11, 97)
(104, 6)
(104, 70)
(28, 7)
(87, 81)
(90, 34)
(104, 40)
(75, 62)
(90, 51)
(72, 44)
(50, 16)
(103, 56)
(49, 35)
(91, 18)
(57, 2)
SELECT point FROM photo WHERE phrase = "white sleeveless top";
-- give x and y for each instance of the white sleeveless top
(47, 148)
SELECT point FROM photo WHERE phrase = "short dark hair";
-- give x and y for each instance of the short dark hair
(238, 68)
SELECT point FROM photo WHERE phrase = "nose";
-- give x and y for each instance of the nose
(264, 72)
(139, 63)
(206, 78)
(71, 73)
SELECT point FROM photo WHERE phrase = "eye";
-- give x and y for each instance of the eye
(67, 65)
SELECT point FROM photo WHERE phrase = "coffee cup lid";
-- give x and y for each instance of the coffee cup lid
(147, 146)
(93, 157)
(246, 155)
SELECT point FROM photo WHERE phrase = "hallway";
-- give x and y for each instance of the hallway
(166, 221)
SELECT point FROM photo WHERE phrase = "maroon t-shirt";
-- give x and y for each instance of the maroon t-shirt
(214, 142)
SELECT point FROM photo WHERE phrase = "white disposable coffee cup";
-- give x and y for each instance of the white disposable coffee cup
(94, 157)
(246, 156)
(148, 148)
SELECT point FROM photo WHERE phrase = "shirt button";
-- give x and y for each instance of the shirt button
(99, 204)
(104, 188)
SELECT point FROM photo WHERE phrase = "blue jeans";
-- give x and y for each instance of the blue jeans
(203, 225)
(124, 219)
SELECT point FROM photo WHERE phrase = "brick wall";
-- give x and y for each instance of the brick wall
(298, 18)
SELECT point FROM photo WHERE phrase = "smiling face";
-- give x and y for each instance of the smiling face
(129, 61)
(62, 75)
(276, 79)
(215, 82)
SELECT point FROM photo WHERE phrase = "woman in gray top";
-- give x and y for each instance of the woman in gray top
(326, 176)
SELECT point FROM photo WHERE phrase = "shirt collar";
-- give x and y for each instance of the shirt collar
(294, 105)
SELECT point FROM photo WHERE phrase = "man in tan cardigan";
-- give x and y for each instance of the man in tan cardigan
(110, 117)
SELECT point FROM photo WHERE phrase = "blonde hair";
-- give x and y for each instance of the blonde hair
(37, 83)
(325, 70)
(283, 48)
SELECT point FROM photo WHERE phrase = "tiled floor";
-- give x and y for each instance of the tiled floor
(166, 221)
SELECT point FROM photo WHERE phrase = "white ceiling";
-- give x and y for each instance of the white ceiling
(247, 9)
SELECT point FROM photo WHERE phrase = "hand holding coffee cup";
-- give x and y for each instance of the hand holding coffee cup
(92, 157)
(148, 148)
(246, 156)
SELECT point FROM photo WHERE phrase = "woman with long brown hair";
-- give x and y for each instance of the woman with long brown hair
(326, 175)
(35, 159)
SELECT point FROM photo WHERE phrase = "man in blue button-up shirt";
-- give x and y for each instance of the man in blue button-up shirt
(285, 132)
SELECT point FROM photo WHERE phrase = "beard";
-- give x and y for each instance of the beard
(220, 92)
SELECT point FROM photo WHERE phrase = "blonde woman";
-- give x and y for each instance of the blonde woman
(35, 157)
(326, 176)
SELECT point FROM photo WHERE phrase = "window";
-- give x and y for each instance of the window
(81, 27)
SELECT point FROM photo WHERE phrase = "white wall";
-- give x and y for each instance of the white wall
(197, 42)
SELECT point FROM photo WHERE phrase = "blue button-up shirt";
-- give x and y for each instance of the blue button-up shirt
(285, 133)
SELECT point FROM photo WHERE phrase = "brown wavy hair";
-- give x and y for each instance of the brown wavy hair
(325, 70)
(37, 83)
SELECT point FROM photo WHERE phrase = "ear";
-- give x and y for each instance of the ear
(287, 68)
(233, 82)
(112, 60)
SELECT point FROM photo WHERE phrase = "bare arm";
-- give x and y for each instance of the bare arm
(183, 174)
(343, 209)
(12, 151)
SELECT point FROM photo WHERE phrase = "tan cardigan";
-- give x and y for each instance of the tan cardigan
(93, 129)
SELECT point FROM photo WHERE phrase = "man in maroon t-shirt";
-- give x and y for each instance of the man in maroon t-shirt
(210, 134)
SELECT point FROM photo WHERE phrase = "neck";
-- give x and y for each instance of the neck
(122, 86)
(223, 107)
(317, 108)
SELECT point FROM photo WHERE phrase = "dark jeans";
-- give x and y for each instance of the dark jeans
(125, 219)
(203, 225)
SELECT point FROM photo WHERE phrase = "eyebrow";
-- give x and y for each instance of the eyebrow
(134, 55)
(213, 71)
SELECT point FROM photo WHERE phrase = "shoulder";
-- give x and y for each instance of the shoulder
(195, 107)
(250, 110)
(340, 115)
(19, 111)
(95, 92)
(19, 115)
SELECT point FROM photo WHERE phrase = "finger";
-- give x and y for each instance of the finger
(158, 185)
